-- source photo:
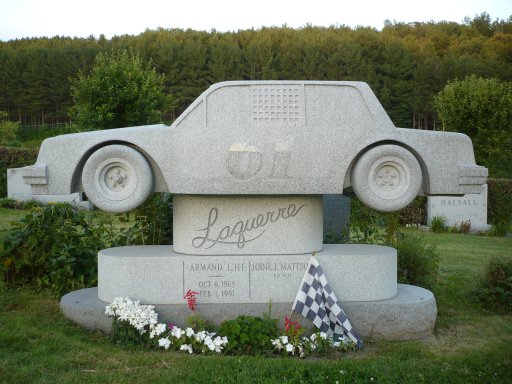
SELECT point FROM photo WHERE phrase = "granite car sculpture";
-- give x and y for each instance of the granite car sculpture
(263, 138)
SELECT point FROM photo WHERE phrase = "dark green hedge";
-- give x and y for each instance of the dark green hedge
(499, 204)
(13, 158)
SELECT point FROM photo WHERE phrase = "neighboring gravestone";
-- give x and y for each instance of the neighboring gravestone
(458, 210)
(336, 216)
(18, 190)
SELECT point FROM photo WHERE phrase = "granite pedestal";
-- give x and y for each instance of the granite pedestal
(363, 277)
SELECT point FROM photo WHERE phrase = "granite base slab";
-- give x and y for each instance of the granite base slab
(410, 315)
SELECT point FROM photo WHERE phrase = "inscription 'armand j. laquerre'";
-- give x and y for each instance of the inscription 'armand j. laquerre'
(243, 231)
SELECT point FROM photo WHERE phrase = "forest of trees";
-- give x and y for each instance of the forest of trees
(405, 64)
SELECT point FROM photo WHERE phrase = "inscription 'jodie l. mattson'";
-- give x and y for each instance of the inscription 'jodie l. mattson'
(243, 231)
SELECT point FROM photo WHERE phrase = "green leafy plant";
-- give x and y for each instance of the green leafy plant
(8, 130)
(318, 343)
(438, 224)
(336, 238)
(135, 323)
(195, 320)
(13, 158)
(249, 334)
(496, 287)
(124, 333)
(500, 205)
(482, 109)
(120, 91)
(366, 224)
(16, 204)
(55, 247)
(415, 213)
(154, 218)
(418, 262)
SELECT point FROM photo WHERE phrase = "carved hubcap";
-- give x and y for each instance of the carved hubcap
(389, 178)
(116, 178)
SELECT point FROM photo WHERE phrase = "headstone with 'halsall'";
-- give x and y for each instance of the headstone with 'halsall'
(458, 210)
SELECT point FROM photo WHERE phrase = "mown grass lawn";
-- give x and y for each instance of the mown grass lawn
(472, 344)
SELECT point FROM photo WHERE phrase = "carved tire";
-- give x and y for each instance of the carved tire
(386, 178)
(117, 178)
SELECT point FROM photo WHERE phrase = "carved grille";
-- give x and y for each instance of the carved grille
(276, 104)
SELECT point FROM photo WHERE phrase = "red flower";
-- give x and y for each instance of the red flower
(191, 299)
(290, 326)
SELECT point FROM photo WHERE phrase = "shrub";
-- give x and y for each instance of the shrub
(13, 158)
(497, 283)
(155, 219)
(29, 134)
(418, 262)
(366, 224)
(16, 204)
(55, 247)
(499, 205)
(438, 224)
(249, 335)
(415, 213)
(8, 131)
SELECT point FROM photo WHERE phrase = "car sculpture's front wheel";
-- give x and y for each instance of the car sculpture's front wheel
(386, 178)
(117, 178)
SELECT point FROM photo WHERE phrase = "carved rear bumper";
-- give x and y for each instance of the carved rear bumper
(36, 177)
(471, 178)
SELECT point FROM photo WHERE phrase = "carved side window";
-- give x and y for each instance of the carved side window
(279, 104)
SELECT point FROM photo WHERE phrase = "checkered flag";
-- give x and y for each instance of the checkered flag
(316, 301)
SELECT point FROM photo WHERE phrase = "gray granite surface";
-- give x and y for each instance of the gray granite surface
(456, 210)
(266, 138)
(157, 275)
(244, 225)
(410, 315)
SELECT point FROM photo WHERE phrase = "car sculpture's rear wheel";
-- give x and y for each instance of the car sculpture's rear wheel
(117, 178)
(386, 178)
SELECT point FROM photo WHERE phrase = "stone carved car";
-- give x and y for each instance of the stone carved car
(263, 138)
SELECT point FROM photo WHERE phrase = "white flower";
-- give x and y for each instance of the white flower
(156, 330)
(145, 319)
(186, 347)
(137, 315)
(219, 343)
(201, 336)
(177, 332)
(323, 335)
(164, 342)
(301, 351)
(314, 336)
(284, 339)
(290, 348)
(277, 344)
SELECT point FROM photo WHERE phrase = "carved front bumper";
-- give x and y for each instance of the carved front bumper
(471, 178)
